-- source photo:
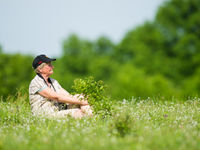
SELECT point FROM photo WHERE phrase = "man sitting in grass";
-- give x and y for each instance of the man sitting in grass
(47, 96)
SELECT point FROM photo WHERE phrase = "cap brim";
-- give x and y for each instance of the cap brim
(53, 59)
(49, 60)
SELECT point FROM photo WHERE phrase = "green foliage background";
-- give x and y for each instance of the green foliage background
(158, 58)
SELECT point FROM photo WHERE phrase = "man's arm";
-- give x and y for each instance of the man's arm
(61, 97)
(64, 92)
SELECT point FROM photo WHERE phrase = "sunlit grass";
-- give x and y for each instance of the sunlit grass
(135, 124)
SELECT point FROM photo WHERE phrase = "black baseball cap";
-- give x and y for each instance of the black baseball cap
(41, 59)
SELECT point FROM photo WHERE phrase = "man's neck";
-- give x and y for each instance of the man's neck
(45, 77)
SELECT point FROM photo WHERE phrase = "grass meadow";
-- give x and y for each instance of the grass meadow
(134, 124)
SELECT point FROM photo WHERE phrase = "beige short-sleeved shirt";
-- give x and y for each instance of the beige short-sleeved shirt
(40, 104)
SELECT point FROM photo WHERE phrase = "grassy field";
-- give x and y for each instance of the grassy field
(136, 124)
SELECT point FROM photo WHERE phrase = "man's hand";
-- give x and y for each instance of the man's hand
(83, 103)
(81, 98)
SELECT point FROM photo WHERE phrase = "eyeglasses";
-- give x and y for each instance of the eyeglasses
(49, 64)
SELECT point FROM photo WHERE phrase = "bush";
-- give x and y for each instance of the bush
(121, 125)
(95, 93)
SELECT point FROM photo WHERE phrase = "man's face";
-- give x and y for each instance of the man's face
(47, 69)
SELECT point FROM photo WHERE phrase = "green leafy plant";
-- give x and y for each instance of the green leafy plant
(95, 93)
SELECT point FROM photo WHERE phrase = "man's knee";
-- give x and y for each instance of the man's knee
(78, 114)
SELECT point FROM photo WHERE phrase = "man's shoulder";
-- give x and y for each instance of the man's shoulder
(55, 83)
(36, 80)
(53, 80)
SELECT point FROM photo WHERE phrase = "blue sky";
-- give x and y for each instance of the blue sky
(40, 26)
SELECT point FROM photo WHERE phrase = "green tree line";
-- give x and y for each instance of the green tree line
(158, 58)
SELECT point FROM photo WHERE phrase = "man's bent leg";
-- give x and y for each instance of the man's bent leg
(75, 113)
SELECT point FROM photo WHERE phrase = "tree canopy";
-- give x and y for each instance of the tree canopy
(158, 58)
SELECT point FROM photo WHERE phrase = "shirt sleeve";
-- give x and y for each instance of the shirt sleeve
(36, 86)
